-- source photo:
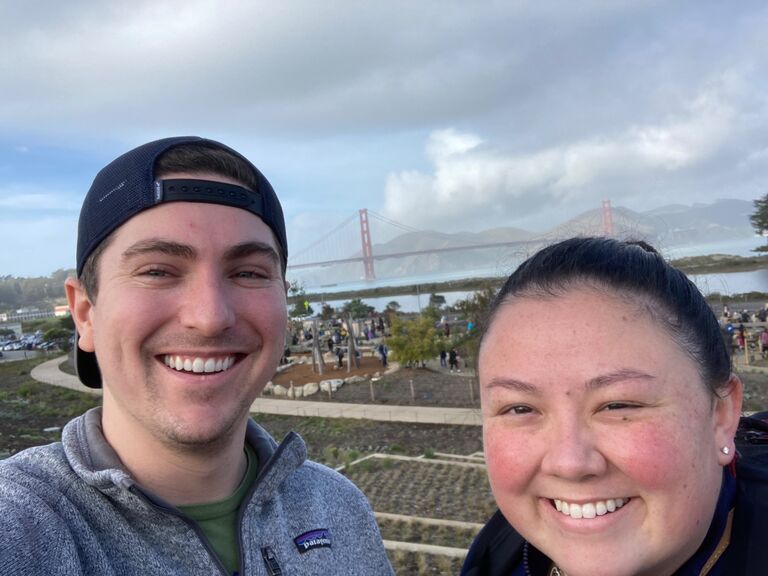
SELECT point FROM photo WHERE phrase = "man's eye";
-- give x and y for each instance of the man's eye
(252, 274)
(155, 272)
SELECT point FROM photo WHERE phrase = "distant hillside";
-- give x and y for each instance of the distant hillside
(413, 241)
(666, 227)
(43, 292)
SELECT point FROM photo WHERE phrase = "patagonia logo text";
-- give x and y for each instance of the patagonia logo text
(320, 538)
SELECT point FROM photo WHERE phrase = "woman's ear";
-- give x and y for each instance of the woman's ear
(80, 307)
(726, 418)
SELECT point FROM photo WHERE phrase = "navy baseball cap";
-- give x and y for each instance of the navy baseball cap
(127, 186)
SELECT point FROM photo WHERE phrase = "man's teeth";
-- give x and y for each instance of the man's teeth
(199, 365)
(590, 509)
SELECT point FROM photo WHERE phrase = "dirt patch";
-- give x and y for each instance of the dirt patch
(302, 373)
(404, 387)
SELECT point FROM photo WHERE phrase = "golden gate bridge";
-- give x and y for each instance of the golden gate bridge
(353, 241)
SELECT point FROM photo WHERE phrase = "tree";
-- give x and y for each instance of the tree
(760, 220)
(327, 312)
(476, 306)
(60, 336)
(67, 322)
(474, 309)
(413, 340)
(390, 311)
(301, 306)
(357, 308)
(436, 300)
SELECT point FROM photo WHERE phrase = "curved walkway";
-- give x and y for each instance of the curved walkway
(49, 373)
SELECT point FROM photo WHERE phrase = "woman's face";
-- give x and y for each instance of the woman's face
(590, 406)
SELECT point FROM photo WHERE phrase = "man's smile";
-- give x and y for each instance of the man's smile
(198, 364)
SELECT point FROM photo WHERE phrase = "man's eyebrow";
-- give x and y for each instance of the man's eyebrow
(152, 245)
(617, 376)
(246, 249)
(512, 384)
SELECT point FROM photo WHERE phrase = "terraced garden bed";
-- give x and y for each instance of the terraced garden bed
(419, 564)
(419, 533)
(426, 488)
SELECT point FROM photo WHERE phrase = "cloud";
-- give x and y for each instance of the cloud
(473, 184)
(438, 113)
(305, 68)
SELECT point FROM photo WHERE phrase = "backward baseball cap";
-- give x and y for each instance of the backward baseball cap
(127, 186)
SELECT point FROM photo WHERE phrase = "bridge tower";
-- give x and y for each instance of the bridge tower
(607, 218)
(365, 234)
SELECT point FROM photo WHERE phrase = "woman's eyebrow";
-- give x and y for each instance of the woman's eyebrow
(512, 384)
(617, 376)
(592, 384)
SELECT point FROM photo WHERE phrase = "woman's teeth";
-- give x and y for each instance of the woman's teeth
(198, 365)
(590, 509)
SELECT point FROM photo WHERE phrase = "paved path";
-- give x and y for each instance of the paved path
(49, 373)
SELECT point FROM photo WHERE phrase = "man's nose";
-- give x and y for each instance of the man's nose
(207, 306)
(572, 452)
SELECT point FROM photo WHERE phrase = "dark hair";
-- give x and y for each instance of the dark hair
(203, 157)
(635, 270)
(192, 158)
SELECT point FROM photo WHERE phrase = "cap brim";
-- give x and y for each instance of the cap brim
(86, 366)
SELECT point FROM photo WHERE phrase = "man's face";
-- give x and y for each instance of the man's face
(189, 322)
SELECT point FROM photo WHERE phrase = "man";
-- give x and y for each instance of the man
(180, 308)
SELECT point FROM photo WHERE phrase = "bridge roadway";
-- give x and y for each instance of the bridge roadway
(49, 373)
(529, 244)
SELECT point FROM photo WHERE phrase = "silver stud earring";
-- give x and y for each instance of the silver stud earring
(725, 450)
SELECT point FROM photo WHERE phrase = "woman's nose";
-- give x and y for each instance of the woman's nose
(571, 452)
(207, 306)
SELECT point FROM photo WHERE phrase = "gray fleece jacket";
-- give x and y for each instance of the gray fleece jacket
(69, 508)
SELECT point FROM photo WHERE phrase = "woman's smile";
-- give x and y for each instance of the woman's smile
(590, 509)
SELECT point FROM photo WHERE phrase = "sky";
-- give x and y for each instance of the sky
(442, 115)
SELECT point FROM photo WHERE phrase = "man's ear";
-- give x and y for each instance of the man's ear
(726, 418)
(80, 307)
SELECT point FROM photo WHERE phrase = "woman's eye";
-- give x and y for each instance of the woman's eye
(619, 406)
(519, 410)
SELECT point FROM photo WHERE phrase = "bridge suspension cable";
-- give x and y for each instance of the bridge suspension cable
(323, 238)
(392, 222)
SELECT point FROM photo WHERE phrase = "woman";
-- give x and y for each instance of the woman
(609, 414)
